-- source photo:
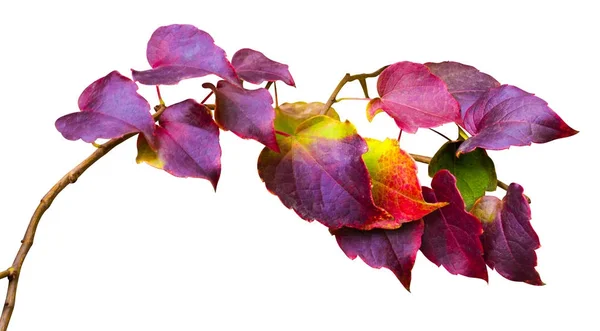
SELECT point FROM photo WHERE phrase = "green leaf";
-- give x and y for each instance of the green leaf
(475, 172)
(288, 116)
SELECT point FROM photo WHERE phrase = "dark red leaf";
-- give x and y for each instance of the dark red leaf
(254, 67)
(392, 249)
(508, 116)
(451, 236)
(508, 239)
(181, 51)
(413, 97)
(110, 108)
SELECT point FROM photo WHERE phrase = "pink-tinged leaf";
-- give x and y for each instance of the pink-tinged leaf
(320, 174)
(396, 187)
(413, 97)
(451, 236)
(254, 67)
(181, 51)
(187, 142)
(465, 83)
(247, 113)
(392, 249)
(508, 116)
(110, 108)
(509, 241)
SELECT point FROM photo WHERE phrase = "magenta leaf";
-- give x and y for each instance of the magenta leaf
(508, 239)
(187, 142)
(254, 67)
(321, 175)
(413, 97)
(392, 249)
(110, 108)
(465, 83)
(247, 113)
(181, 51)
(508, 116)
(451, 236)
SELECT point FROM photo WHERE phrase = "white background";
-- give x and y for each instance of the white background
(129, 247)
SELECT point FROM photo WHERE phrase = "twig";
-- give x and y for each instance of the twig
(349, 78)
(71, 177)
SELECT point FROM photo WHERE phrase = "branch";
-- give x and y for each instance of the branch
(71, 177)
(349, 78)
(427, 160)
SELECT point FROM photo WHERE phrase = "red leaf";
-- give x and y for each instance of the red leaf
(110, 108)
(254, 67)
(451, 236)
(508, 116)
(413, 97)
(247, 113)
(508, 239)
(320, 174)
(181, 51)
(187, 143)
(392, 249)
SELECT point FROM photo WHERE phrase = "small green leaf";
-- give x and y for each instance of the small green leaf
(288, 116)
(475, 172)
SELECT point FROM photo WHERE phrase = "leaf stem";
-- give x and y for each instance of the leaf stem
(206, 98)
(354, 99)
(160, 99)
(276, 97)
(70, 177)
(441, 134)
(349, 78)
(281, 133)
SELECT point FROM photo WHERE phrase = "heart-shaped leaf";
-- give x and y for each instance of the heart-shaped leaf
(413, 97)
(181, 51)
(110, 108)
(254, 67)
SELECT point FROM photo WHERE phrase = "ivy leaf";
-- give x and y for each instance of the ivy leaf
(392, 249)
(110, 108)
(413, 97)
(508, 116)
(465, 83)
(181, 51)
(247, 113)
(508, 239)
(289, 115)
(320, 174)
(254, 67)
(187, 142)
(396, 187)
(451, 235)
(475, 172)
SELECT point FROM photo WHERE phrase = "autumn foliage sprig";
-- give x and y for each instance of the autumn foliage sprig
(364, 190)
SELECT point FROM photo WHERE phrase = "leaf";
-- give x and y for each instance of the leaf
(465, 83)
(508, 116)
(110, 108)
(181, 51)
(254, 67)
(320, 174)
(508, 239)
(392, 249)
(289, 115)
(396, 187)
(451, 235)
(187, 142)
(247, 113)
(413, 97)
(475, 172)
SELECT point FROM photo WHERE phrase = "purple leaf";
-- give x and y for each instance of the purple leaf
(254, 67)
(392, 249)
(508, 239)
(187, 143)
(508, 116)
(451, 236)
(110, 108)
(465, 83)
(413, 97)
(180, 51)
(247, 113)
